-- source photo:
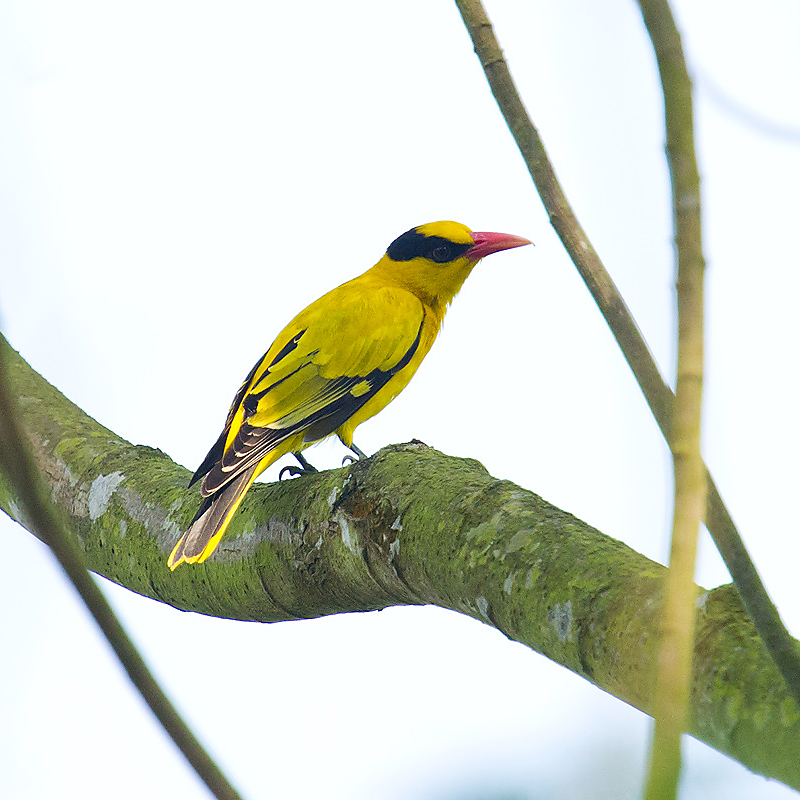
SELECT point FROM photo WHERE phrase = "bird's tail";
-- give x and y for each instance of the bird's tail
(207, 528)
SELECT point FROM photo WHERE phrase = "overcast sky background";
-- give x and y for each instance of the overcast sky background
(159, 160)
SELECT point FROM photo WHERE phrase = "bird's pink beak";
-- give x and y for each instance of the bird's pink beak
(488, 243)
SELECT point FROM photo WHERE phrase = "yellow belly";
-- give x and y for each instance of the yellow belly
(430, 329)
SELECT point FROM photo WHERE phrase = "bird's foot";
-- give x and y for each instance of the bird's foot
(292, 471)
(358, 451)
(305, 468)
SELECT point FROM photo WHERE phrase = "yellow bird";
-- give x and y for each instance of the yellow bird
(336, 364)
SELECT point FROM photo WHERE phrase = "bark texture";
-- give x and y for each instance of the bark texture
(410, 526)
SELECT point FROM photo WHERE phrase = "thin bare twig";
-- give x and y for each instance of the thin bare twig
(659, 396)
(18, 467)
(677, 625)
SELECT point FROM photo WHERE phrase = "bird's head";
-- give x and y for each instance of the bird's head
(434, 260)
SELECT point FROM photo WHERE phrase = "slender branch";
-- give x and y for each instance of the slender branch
(18, 469)
(658, 395)
(675, 656)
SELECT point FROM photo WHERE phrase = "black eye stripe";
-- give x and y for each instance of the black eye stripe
(413, 244)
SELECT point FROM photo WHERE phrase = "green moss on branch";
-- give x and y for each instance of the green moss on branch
(411, 526)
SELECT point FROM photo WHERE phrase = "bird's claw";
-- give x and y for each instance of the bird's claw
(294, 472)
(348, 460)
(297, 472)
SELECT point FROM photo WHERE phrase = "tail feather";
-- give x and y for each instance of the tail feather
(202, 537)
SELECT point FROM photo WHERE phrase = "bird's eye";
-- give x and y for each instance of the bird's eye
(440, 254)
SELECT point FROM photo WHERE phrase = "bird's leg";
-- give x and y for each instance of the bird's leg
(304, 464)
(305, 468)
(357, 450)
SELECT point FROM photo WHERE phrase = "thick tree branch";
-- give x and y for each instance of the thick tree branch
(411, 526)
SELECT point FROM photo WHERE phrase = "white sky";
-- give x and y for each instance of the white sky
(161, 160)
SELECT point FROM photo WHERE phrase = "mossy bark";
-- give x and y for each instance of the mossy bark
(410, 526)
